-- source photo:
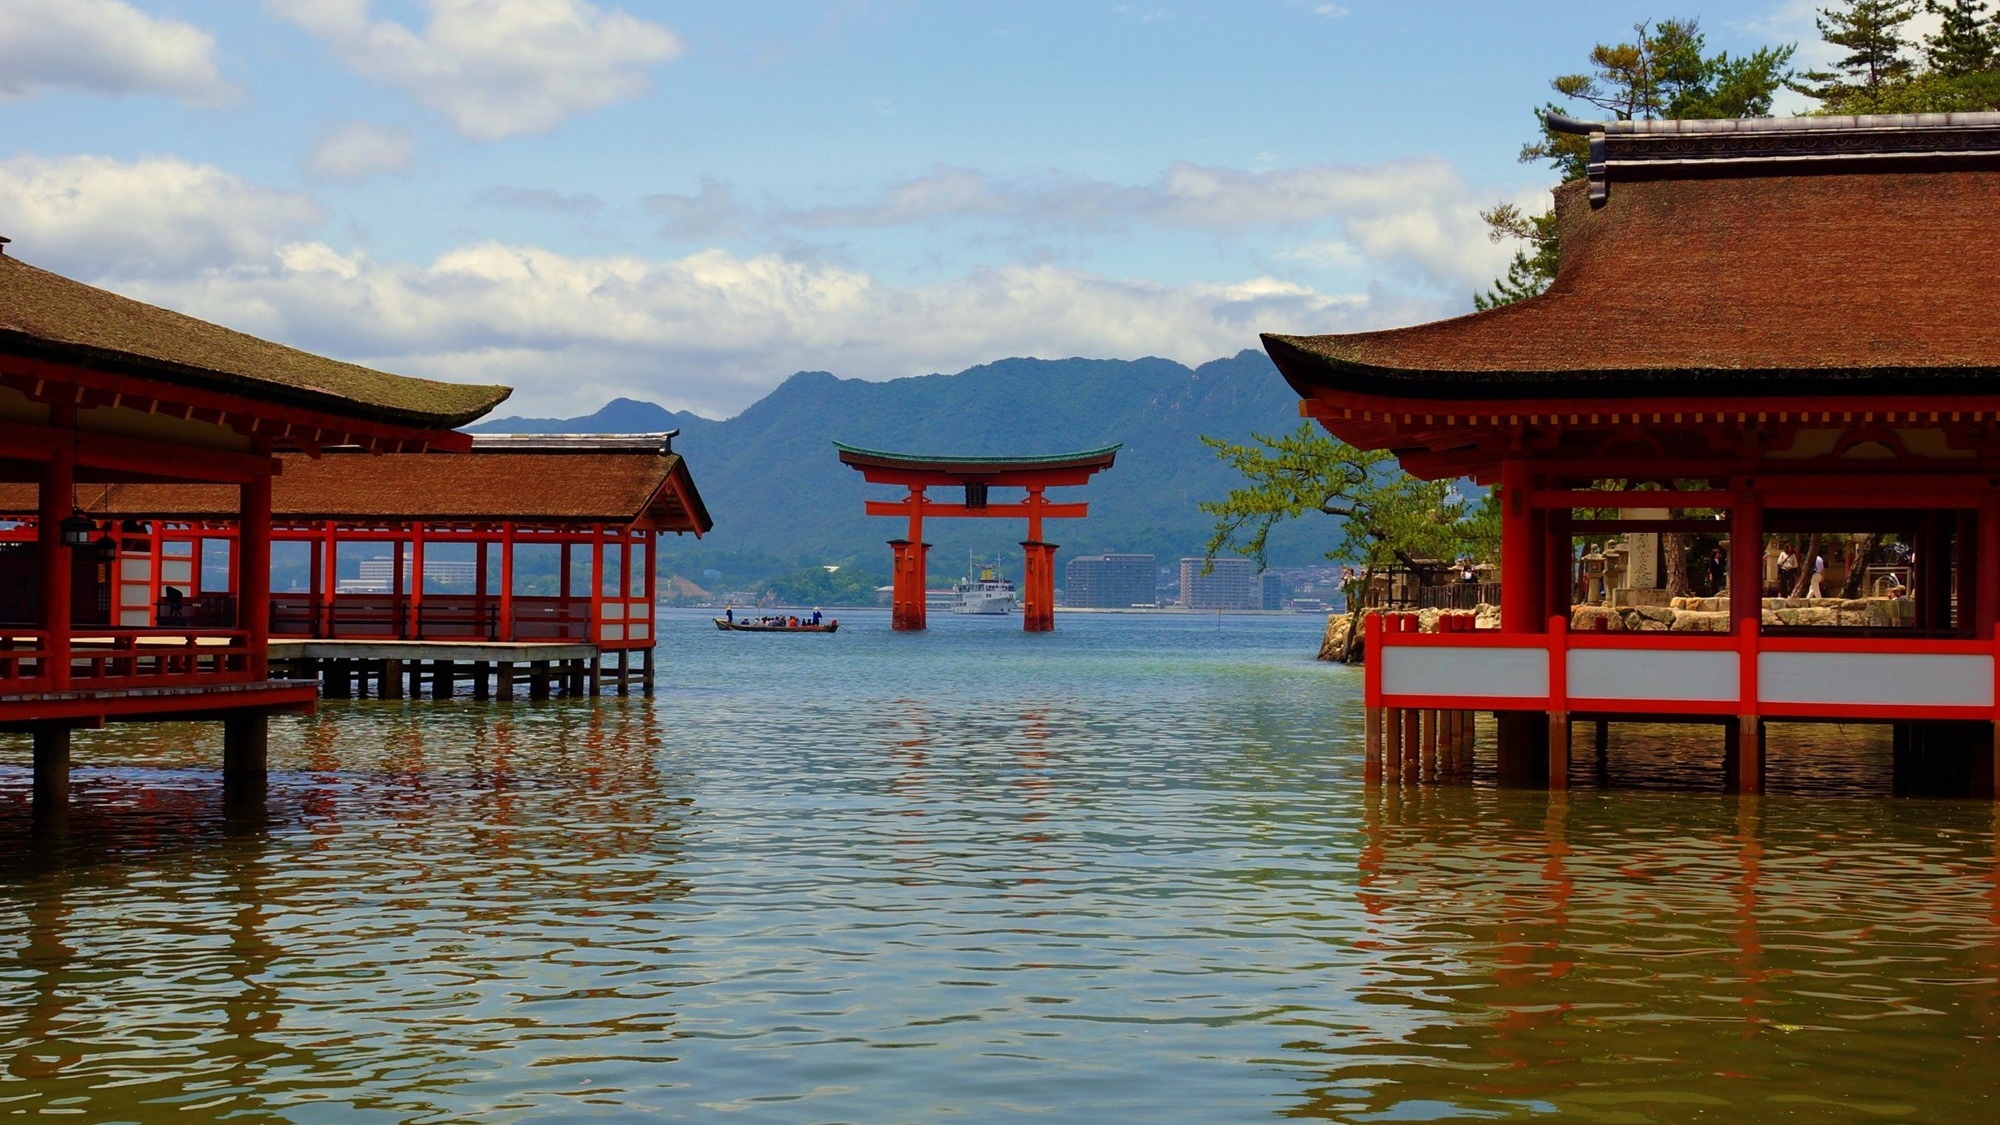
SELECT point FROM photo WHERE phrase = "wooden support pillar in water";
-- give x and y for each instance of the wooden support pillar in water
(392, 679)
(594, 674)
(505, 680)
(646, 685)
(624, 672)
(480, 690)
(1559, 750)
(443, 673)
(1427, 766)
(1412, 742)
(1371, 760)
(1520, 747)
(1749, 740)
(51, 769)
(334, 680)
(1392, 741)
(246, 742)
(538, 680)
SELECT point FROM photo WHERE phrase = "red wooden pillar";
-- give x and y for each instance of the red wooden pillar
(1520, 565)
(253, 572)
(1746, 619)
(156, 552)
(1558, 563)
(417, 581)
(58, 496)
(906, 600)
(596, 583)
(330, 581)
(1038, 579)
(1985, 578)
(507, 581)
(479, 578)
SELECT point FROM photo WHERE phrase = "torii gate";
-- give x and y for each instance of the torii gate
(976, 475)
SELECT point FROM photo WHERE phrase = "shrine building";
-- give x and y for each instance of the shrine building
(97, 390)
(1778, 328)
(527, 561)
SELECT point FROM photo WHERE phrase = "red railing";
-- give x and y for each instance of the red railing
(1835, 675)
(128, 658)
(627, 622)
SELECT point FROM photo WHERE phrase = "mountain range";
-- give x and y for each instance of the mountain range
(782, 500)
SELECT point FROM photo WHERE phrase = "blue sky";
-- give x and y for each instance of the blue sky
(688, 202)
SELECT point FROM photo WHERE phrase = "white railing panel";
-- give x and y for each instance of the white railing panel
(638, 632)
(1876, 679)
(609, 632)
(1509, 673)
(1678, 675)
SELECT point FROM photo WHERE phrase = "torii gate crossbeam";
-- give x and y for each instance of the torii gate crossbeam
(976, 475)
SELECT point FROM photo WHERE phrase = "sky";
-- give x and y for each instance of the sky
(688, 202)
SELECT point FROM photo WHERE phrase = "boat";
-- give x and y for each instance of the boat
(755, 626)
(988, 594)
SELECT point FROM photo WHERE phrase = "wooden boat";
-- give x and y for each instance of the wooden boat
(728, 626)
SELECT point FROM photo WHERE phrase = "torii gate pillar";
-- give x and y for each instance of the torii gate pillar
(906, 602)
(1038, 586)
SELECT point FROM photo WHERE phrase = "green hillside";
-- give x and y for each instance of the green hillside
(782, 500)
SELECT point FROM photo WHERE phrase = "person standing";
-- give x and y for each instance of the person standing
(1818, 572)
(1718, 571)
(1788, 570)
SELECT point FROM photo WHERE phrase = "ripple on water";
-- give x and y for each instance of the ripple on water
(1125, 871)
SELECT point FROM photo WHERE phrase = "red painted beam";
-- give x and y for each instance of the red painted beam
(1017, 511)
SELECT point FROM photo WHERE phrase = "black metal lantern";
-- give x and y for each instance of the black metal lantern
(76, 530)
(106, 549)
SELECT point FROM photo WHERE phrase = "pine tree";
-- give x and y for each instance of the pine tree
(1872, 33)
(1662, 72)
(1966, 41)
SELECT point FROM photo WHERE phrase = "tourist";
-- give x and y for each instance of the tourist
(815, 615)
(1818, 572)
(729, 614)
(1718, 572)
(1788, 570)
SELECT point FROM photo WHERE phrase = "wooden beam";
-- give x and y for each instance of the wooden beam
(1020, 511)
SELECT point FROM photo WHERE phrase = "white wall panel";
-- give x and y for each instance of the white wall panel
(1870, 678)
(1512, 673)
(1661, 674)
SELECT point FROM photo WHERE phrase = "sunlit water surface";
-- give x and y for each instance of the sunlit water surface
(1124, 872)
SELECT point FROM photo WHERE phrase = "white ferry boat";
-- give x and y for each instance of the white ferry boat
(987, 594)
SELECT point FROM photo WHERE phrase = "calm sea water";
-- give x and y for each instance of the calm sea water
(1123, 872)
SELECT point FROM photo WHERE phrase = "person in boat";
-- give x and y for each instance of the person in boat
(729, 614)
(815, 620)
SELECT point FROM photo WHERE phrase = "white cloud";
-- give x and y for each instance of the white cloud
(495, 68)
(1416, 216)
(1322, 10)
(713, 331)
(105, 47)
(358, 151)
(710, 331)
(158, 216)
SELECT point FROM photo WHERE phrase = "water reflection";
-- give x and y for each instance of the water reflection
(1633, 957)
(1115, 873)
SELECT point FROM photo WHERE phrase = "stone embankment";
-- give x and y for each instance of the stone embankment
(1682, 615)
(1338, 645)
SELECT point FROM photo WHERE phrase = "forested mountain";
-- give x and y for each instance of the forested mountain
(782, 500)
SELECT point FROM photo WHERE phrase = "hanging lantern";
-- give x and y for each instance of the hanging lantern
(106, 549)
(76, 530)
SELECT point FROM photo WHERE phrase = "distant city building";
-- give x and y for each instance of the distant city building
(1110, 581)
(1232, 584)
(1272, 589)
(375, 575)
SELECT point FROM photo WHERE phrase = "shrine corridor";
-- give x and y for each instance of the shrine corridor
(1124, 871)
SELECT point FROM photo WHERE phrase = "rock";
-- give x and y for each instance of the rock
(1662, 614)
(1700, 621)
(1648, 625)
(1335, 641)
(1584, 619)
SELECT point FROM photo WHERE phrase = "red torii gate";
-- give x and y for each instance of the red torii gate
(976, 475)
